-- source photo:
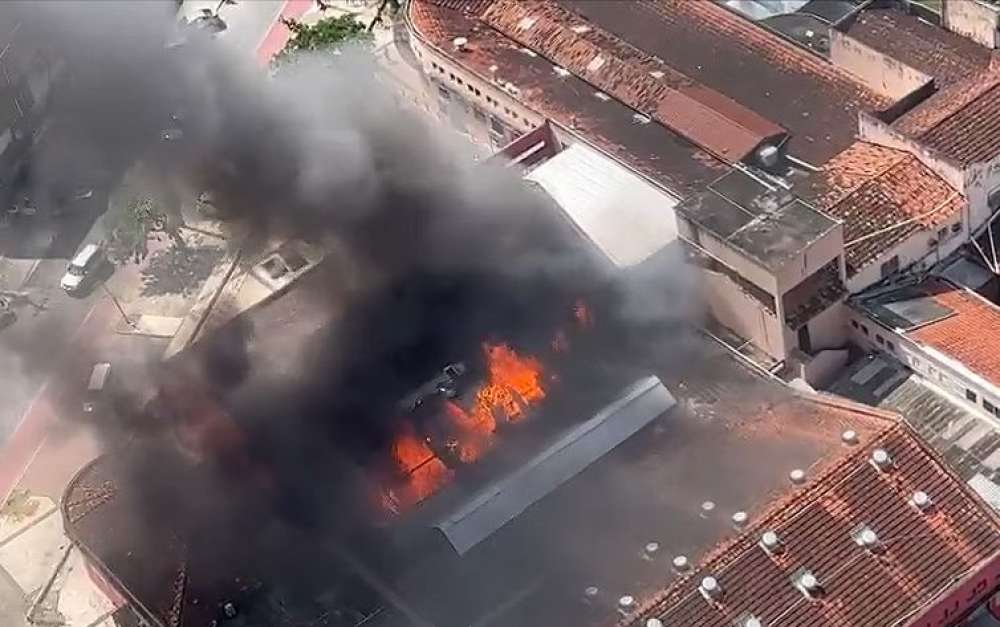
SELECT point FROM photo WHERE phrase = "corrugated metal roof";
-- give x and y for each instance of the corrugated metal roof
(491, 509)
(623, 215)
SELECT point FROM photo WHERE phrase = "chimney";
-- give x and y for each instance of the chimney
(881, 460)
(740, 520)
(771, 543)
(650, 550)
(654, 622)
(849, 437)
(922, 501)
(710, 588)
(460, 44)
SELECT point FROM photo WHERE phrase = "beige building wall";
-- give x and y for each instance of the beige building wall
(973, 19)
(877, 71)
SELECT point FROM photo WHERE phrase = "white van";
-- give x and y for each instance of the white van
(82, 268)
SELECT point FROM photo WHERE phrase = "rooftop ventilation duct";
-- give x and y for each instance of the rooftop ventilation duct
(797, 476)
(881, 460)
(866, 538)
(748, 620)
(710, 588)
(771, 543)
(807, 583)
(681, 564)
(768, 155)
(922, 501)
(849, 437)
(460, 43)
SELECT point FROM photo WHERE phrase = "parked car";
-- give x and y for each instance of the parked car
(97, 388)
(83, 269)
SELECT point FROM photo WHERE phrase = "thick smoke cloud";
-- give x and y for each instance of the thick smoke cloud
(440, 254)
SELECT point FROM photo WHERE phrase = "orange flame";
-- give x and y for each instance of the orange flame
(513, 384)
(425, 472)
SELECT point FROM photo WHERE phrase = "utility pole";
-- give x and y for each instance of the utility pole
(118, 305)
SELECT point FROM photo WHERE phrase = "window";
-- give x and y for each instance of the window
(943, 234)
(440, 70)
(444, 93)
(957, 227)
(864, 329)
(459, 79)
(451, 76)
(480, 115)
(434, 65)
(891, 346)
(971, 396)
(993, 200)
(890, 267)
(478, 93)
(471, 90)
(854, 323)
(513, 114)
(988, 406)
(880, 339)
(496, 126)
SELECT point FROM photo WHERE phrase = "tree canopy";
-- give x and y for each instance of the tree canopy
(328, 34)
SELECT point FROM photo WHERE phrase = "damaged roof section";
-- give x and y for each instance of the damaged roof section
(707, 118)
(883, 196)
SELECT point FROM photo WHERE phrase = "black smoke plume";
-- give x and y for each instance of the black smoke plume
(435, 255)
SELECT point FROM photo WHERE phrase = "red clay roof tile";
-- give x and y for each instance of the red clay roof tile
(883, 196)
(705, 117)
(815, 526)
(967, 335)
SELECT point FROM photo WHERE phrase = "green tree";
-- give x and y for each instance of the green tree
(132, 216)
(328, 34)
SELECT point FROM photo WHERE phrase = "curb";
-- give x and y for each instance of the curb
(195, 319)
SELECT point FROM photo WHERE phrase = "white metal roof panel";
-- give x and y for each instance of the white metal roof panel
(624, 215)
(498, 504)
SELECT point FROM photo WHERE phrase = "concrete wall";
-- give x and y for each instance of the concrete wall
(972, 19)
(879, 72)
(473, 100)
(980, 180)
(915, 249)
(829, 328)
(814, 257)
(872, 129)
(745, 267)
(946, 374)
(744, 315)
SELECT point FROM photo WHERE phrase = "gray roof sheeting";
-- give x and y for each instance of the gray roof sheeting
(489, 510)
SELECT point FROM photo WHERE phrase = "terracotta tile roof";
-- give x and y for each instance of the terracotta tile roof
(968, 334)
(651, 148)
(930, 49)
(705, 117)
(924, 554)
(872, 188)
(972, 134)
(814, 100)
